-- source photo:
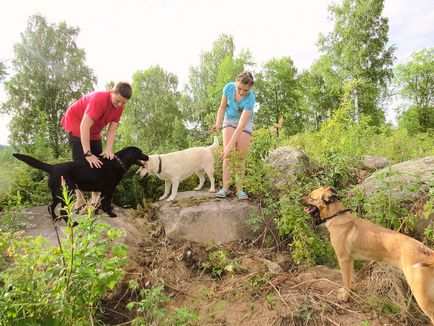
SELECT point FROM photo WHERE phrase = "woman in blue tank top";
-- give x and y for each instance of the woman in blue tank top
(235, 117)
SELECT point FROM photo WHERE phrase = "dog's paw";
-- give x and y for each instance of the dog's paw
(343, 295)
(197, 188)
(171, 199)
(211, 190)
(162, 197)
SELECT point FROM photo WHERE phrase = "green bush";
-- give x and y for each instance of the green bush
(150, 310)
(42, 284)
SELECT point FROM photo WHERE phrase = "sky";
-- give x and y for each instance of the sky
(121, 37)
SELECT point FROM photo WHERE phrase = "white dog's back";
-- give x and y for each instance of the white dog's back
(177, 166)
(184, 163)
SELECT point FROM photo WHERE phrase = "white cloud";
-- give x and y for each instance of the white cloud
(122, 37)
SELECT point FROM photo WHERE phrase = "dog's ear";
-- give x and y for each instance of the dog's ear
(330, 196)
(144, 157)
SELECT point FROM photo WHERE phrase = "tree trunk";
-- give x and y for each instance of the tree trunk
(356, 104)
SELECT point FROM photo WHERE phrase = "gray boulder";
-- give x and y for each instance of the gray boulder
(406, 180)
(374, 162)
(201, 217)
(287, 162)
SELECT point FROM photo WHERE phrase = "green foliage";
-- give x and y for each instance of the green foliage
(42, 284)
(270, 301)
(428, 213)
(277, 91)
(357, 48)
(150, 310)
(130, 191)
(416, 83)
(50, 73)
(217, 67)
(304, 312)
(383, 208)
(219, 263)
(384, 306)
(151, 118)
(321, 90)
(26, 186)
(2, 70)
(307, 246)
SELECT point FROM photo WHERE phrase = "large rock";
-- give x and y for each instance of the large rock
(406, 180)
(374, 162)
(287, 162)
(40, 223)
(201, 217)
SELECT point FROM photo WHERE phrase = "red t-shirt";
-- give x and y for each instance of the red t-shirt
(99, 107)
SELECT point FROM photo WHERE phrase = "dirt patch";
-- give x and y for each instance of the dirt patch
(252, 293)
(239, 283)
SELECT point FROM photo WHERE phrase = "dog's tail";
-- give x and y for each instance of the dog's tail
(34, 163)
(214, 145)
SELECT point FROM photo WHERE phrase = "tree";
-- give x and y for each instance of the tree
(358, 50)
(49, 73)
(217, 67)
(321, 90)
(416, 82)
(2, 70)
(152, 119)
(277, 92)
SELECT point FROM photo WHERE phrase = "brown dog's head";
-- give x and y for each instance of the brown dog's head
(322, 201)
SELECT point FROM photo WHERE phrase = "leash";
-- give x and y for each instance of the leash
(323, 220)
(120, 162)
(159, 165)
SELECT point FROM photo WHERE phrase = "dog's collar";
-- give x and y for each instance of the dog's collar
(323, 220)
(120, 162)
(159, 165)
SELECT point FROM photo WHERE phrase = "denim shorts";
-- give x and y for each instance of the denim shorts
(234, 123)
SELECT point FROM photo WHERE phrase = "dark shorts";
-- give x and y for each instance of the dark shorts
(77, 149)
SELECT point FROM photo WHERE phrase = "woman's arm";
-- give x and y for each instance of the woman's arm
(220, 114)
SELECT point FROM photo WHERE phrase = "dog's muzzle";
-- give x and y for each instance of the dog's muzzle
(139, 174)
(311, 210)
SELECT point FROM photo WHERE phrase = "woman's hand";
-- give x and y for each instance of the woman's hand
(216, 127)
(226, 152)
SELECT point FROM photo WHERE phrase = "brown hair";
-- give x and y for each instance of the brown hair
(123, 89)
(245, 78)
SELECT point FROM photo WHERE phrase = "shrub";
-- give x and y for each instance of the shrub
(42, 284)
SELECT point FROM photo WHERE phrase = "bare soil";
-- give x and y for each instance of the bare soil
(254, 294)
(265, 287)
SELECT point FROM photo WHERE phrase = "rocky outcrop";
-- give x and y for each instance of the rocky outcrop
(287, 162)
(405, 181)
(374, 162)
(201, 217)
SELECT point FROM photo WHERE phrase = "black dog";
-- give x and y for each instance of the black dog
(79, 175)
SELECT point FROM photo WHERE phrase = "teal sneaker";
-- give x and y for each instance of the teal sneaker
(242, 195)
(222, 193)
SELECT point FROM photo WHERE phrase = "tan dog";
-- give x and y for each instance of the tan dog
(177, 166)
(354, 238)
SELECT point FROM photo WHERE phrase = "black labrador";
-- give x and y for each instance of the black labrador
(79, 175)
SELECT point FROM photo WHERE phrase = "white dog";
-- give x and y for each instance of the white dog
(177, 166)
